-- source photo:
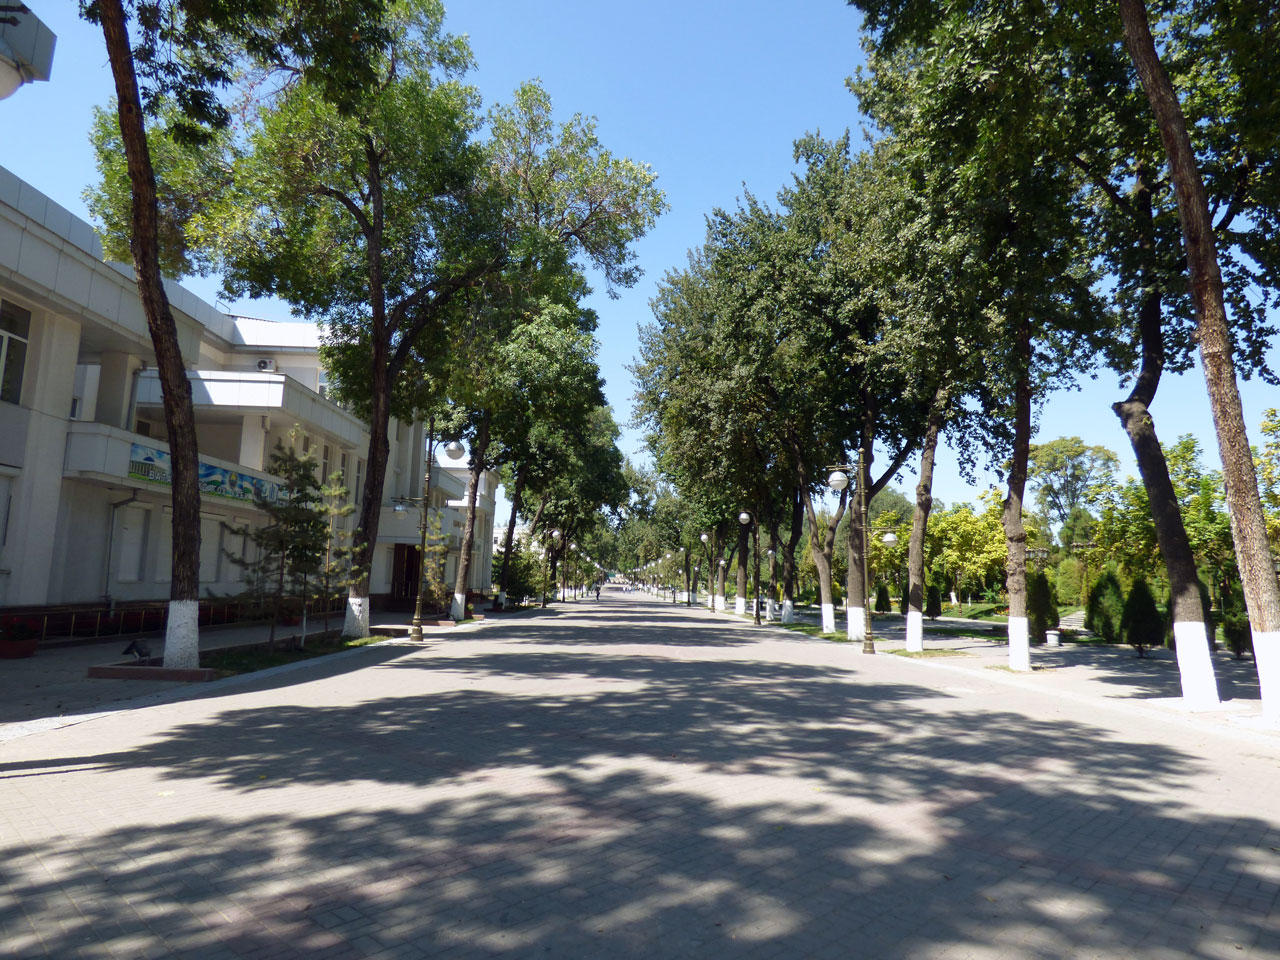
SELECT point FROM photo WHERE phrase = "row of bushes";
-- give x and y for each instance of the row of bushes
(1137, 619)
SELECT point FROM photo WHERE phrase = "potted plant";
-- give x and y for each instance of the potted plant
(19, 637)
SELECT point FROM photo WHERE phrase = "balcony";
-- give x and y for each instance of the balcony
(104, 454)
(227, 395)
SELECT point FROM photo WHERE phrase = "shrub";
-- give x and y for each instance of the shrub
(904, 598)
(1042, 606)
(1105, 607)
(1141, 624)
(882, 600)
(1235, 625)
(933, 603)
(1070, 583)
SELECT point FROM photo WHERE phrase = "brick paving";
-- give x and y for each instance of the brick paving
(628, 779)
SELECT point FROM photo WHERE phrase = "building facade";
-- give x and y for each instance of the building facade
(84, 496)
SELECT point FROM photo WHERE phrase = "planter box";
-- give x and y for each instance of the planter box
(18, 649)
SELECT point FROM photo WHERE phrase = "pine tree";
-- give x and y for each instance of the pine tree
(1141, 624)
(335, 575)
(933, 604)
(883, 604)
(291, 544)
(1105, 607)
(1042, 605)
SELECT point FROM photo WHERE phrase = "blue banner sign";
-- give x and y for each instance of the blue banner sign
(153, 466)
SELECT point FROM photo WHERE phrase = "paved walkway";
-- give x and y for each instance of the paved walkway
(627, 779)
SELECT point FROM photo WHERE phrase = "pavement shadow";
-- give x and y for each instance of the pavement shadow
(628, 806)
(1154, 675)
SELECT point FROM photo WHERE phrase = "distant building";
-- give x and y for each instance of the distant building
(84, 496)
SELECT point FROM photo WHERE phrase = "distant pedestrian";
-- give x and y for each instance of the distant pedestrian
(597, 591)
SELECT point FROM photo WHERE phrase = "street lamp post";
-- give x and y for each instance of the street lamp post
(838, 480)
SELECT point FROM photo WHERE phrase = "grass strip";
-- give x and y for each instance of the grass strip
(239, 660)
(927, 654)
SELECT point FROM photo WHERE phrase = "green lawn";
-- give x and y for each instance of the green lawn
(249, 659)
(928, 654)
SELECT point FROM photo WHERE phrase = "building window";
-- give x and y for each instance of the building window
(15, 331)
(324, 383)
(359, 490)
(324, 464)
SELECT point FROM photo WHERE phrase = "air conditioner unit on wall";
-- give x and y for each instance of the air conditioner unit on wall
(266, 365)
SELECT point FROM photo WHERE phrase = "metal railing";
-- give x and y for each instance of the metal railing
(99, 621)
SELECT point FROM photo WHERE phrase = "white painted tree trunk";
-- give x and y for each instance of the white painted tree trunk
(356, 623)
(720, 602)
(1195, 666)
(856, 623)
(740, 605)
(1266, 655)
(788, 612)
(915, 631)
(458, 609)
(828, 618)
(1019, 645)
(182, 635)
(502, 598)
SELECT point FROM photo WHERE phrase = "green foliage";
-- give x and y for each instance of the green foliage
(1069, 583)
(336, 574)
(291, 544)
(524, 574)
(1042, 605)
(1236, 632)
(186, 54)
(1141, 623)
(904, 597)
(1067, 475)
(190, 177)
(1105, 607)
(883, 605)
(933, 603)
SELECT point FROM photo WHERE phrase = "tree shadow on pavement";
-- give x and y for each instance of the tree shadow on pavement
(598, 804)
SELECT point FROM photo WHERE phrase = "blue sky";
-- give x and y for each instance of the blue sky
(711, 93)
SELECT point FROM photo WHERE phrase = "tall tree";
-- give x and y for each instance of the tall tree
(1248, 523)
(1067, 474)
(185, 56)
(343, 212)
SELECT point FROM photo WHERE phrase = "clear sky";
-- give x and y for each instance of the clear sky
(711, 93)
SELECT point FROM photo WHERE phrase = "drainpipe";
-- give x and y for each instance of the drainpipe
(111, 539)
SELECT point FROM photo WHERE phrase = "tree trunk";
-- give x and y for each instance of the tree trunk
(182, 638)
(1199, 686)
(789, 556)
(744, 555)
(773, 568)
(365, 536)
(920, 523)
(822, 547)
(517, 499)
(479, 449)
(1015, 534)
(1248, 524)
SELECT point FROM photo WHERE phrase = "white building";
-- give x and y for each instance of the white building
(84, 500)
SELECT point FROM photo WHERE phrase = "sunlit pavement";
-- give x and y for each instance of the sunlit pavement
(633, 779)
